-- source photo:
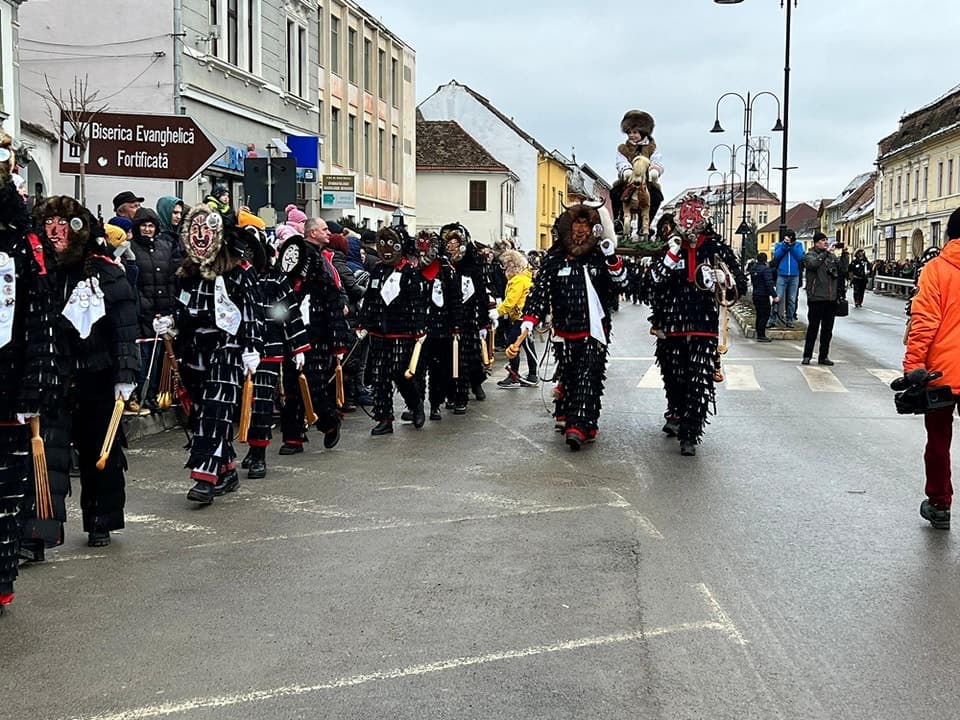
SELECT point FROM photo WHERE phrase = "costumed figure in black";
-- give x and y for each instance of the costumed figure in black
(284, 337)
(314, 283)
(470, 317)
(690, 281)
(97, 351)
(28, 374)
(637, 125)
(394, 314)
(445, 298)
(220, 340)
(577, 284)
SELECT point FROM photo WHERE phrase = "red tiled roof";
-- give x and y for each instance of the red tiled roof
(800, 217)
(444, 145)
(940, 115)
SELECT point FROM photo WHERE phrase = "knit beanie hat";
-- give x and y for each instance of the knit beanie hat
(295, 214)
(283, 233)
(953, 225)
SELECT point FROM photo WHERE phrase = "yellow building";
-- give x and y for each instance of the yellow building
(919, 180)
(551, 194)
(802, 218)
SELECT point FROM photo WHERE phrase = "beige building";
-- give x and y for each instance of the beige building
(918, 183)
(856, 229)
(367, 108)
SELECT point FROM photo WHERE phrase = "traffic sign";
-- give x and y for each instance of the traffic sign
(339, 192)
(160, 147)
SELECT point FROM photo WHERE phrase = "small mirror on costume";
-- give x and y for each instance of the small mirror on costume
(214, 221)
(76, 224)
(4, 155)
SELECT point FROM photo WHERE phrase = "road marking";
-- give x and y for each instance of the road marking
(651, 379)
(167, 525)
(740, 377)
(641, 521)
(719, 621)
(291, 505)
(820, 379)
(885, 375)
(886, 315)
(536, 446)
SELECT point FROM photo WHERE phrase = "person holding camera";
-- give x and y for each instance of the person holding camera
(825, 273)
(933, 343)
(787, 256)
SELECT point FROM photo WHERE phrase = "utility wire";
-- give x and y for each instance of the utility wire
(98, 44)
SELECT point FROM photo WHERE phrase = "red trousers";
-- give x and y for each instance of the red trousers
(936, 456)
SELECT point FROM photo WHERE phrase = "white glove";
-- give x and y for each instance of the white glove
(607, 246)
(251, 361)
(494, 324)
(483, 333)
(646, 261)
(526, 325)
(673, 258)
(707, 276)
(493, 314)
(653, 174)
(124, 390)
(24, 418)
(299, 360)
(162, 324)
(361, 334)
(626, 173)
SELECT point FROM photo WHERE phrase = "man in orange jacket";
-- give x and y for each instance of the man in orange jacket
(934, 343)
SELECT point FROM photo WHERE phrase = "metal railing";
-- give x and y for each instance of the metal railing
(886, 283)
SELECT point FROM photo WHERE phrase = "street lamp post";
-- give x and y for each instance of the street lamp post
(748, 102)
(724, 216)
(732, 150)
(790, 4)
(398, 218)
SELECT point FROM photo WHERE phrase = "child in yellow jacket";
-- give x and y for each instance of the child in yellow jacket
(519, 282)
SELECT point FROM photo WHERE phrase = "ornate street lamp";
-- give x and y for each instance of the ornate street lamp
(398, 217)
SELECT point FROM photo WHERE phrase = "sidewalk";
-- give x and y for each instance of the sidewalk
(136, 427)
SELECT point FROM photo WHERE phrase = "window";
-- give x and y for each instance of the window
(906, 187)
(335, 136)
(352, 55)
(214, 48)
(394, 83)
(510, 197)
(233, 31)
(367, 159)
(320, 130)
(335, 44)
(320, 60)
(935, 233)
(950, 176)
(381, 73)
(478, 195)
(296, 59)
(940, 179)
(926, 182)
(899, 189)
(763, 217)
(916, 185)
(381, 168)
(367, 60)
(394, 158)
(351, 142)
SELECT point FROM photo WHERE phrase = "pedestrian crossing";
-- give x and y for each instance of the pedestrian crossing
(742, 377)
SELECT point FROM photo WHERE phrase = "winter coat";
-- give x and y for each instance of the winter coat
(825, 273)
(762, 280)
(786, 258)
(934, 338)
(156, 284)
(518, 287)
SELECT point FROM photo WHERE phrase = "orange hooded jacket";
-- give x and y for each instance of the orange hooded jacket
(934, 339)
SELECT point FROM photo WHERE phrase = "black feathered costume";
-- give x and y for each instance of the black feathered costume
(28, 375)
(687, 314)
(578, 286)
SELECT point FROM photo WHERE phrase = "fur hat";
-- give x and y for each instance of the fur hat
(81, 223)
(513, 262)
(637, 120)
(953, 225)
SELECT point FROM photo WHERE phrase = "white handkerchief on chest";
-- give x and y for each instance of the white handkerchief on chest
(8, 297)
(437, 295)
(85, 306)
(227, 313)
(391, 288)
(466, 285)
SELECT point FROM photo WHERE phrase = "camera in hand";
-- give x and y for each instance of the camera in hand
(915, 398)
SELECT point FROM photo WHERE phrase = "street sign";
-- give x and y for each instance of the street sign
(306, 150)
(339, 192)
(160, 147)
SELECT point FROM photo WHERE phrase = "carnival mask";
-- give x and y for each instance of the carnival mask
(67, 225)
(692, 216)
(389, 246)
(575, 229)
(204, 234)
(58, 232)
(428, 246)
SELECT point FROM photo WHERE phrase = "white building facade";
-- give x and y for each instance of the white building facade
(9, 66)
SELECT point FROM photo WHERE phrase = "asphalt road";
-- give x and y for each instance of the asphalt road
(478, 569)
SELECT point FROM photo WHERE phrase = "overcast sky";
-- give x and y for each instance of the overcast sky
(566, 72)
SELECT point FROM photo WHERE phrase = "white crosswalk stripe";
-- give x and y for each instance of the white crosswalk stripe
(821, 379)
(651, 379)
(740, 377)
(885, 375)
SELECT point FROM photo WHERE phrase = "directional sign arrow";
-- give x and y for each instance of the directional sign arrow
(161, 147)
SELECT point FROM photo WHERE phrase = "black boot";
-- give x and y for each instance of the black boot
(435, 413)
(688, 448)
(245, 463)
(418, 417)
(256, 463)
(201, 493)
(98, 539)
(227, 483)
(332, 437)
(383, 428)
(479, 393)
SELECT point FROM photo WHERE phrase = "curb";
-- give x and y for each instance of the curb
(745, 316)
(137, 427)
